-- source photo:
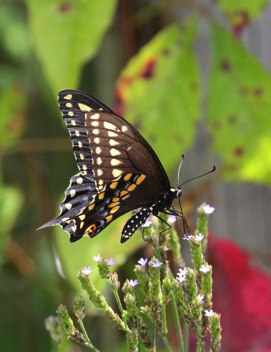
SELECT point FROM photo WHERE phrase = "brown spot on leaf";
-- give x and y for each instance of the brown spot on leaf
(65, 7)
(225, 65)
(232, 119)
(166, 52)
(258, 91)
(238, 151)
(148, 70)
(240, 19)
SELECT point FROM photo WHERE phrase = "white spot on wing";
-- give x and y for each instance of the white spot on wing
(114, 152)
(116, 172)
(109, 126)
(112, 142)
(95, 116)
(115, 162)
(112, 134)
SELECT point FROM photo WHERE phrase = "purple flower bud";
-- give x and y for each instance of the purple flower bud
(111, 261)
(172, 219)
(200, 297)
(143, 262)
(156, 264)
(148, 223)
(133, 282)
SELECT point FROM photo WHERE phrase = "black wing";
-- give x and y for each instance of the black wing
(113, 158)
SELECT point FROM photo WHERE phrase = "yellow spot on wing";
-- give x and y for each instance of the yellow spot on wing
(127, 177)
(69, 105)
(113, 205)
(68, 97)
(82, 224)
(70, 113)
(101, 195)
(95, 116)
(82, 217)
(91, 206)
(84, 107)
(140, 179)
(109, 218)
(113, 210)
(131, 187)
(79, 180)
(72, 192)
(123, 193)
(113, 185)
(68, 206)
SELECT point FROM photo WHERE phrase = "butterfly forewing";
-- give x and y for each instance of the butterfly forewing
(119, 171)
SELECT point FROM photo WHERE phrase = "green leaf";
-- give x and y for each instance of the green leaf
(12, 112)
(11, 200)
(79, 254)
(160, 91)
(67, 34)
(239, 110)
(241, 12)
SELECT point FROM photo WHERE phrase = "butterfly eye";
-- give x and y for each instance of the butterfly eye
(179, 193)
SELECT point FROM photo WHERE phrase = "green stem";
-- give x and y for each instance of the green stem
(200, 346)
(165, 340)
(119, 305)
(153, 336)
(89, 344)
(186, 336)
(174, 306)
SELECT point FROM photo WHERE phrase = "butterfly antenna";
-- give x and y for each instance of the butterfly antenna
(179, 170)
(206, 173)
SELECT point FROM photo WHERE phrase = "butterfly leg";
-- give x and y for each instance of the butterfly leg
(164, 221)
(134, 223)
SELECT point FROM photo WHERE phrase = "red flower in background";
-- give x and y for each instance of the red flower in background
(242, 295)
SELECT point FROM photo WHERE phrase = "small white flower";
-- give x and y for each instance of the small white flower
(205, 268)
(86, 270)
(97, 258)
(208, 209)
(182, 271)
(209, 313)
(199, 237)
(181, 278)
(187, 237)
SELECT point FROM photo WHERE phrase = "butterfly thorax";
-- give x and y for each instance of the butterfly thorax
(165, 201)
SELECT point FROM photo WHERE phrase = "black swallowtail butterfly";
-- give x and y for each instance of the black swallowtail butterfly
(119, 171)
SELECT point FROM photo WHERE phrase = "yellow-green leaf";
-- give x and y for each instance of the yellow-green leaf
(67, 34)
(240, 110)
(159, 91)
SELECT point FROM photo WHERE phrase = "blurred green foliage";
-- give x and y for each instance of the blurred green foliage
(47, 46)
